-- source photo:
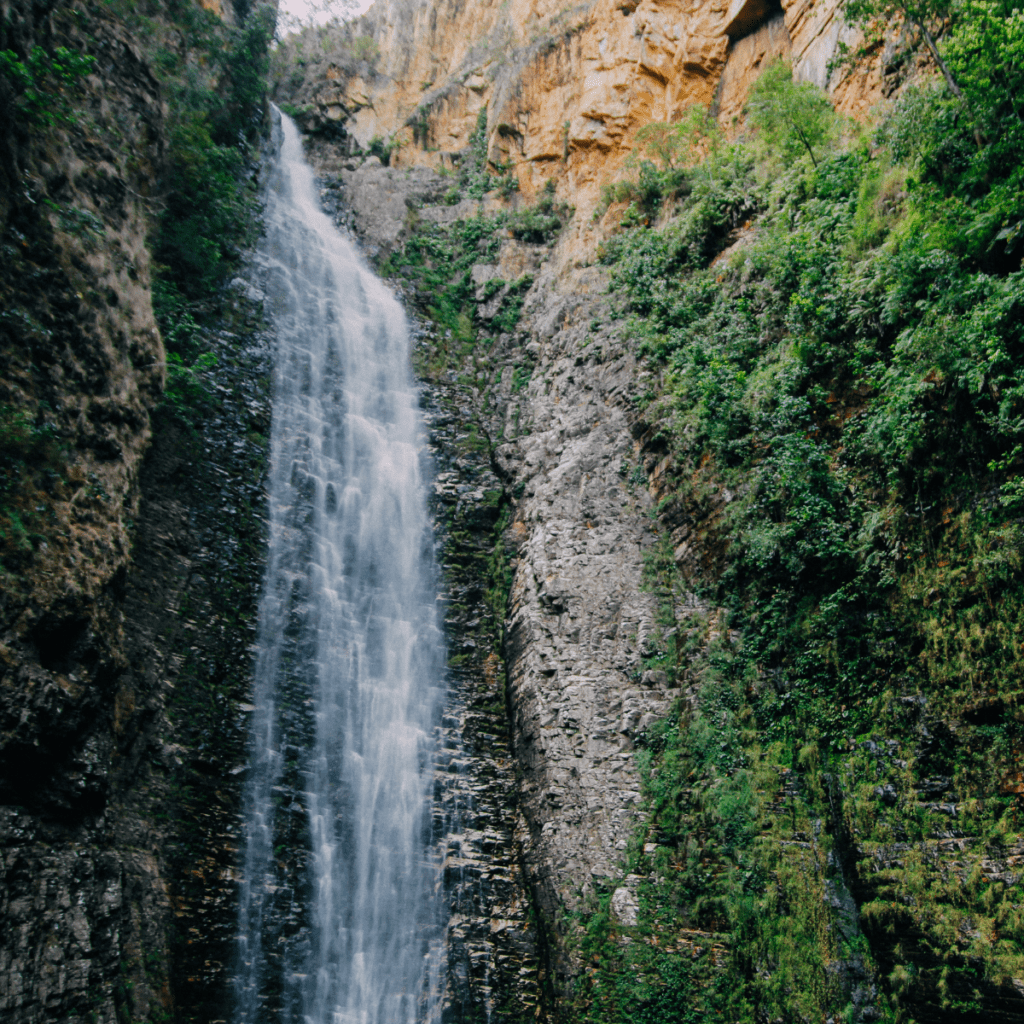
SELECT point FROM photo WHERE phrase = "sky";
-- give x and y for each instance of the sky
(322, 10)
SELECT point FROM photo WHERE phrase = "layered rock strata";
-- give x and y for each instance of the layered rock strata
(563, 87)
(129, 571)
(81, 367)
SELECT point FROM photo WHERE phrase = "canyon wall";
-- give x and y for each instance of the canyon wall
(82, 370)
(131, 537)
(564, 88)
(408, 111)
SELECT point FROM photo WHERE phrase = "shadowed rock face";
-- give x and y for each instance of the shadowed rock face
(80, 362)
(124, 643)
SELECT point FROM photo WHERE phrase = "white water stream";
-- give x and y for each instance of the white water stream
(341, 925)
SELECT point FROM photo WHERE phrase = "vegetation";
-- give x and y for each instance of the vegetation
(438, 259)
(215, 84)
(841, 393)
(306, 53)
(31, 472)
(212, 77)
(41, 81)
(790, 118)
(542, 222)
(658, 167)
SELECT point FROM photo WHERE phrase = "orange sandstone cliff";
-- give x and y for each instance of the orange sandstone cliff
(565, 86)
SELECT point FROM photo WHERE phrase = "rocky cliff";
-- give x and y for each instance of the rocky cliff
(128, 518)
(734, 795)
(565, 87)
(82, 370)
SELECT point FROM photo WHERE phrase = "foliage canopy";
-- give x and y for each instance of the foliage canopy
(848, 372)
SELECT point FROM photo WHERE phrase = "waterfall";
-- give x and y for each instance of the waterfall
(339, 921)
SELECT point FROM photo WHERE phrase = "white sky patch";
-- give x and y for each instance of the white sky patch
(303, 12)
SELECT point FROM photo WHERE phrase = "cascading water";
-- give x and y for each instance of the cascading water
(339, 921)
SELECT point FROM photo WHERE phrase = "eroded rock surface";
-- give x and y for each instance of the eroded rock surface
(563, 88)
(127, 591)
(558, 392)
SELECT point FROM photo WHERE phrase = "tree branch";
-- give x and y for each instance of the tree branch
(948, 75)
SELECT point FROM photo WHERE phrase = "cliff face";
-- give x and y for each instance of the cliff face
(118, 726)
(565, 88)
(83, 365)
(653, 805)
(82, 369)
(689, 843)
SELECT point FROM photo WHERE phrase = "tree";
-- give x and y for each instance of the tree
(790, 116)
(688, 142)
(877, 17)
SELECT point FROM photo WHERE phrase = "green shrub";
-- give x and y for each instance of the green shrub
(215, 84)
(507, 316)
(541, 222)
(790, 118)
(382, 149)
(42, 82)
(439, 260)
(32, 464)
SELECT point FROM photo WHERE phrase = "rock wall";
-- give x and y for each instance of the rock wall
(130, 554)
(565, 87)
(81, 365)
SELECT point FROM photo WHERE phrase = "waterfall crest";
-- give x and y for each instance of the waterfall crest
(339, 922)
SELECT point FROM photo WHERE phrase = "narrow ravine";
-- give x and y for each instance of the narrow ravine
(340, 922)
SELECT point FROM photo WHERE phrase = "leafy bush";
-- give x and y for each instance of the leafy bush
(659, 166)
(843, 401)
(511, 306)
(382, 149)
(791, 118)
(215, 84)
(541, 222)
(40, 83)
(209, 212)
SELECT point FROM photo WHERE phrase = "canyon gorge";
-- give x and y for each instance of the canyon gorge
(511, 511)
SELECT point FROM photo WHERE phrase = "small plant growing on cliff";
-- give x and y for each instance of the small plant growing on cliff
(364, 48)
(790, 118)
(31, 466)
(660, 164)
(540, 223)
(474, 177)
(383, 148)
(688, 142)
